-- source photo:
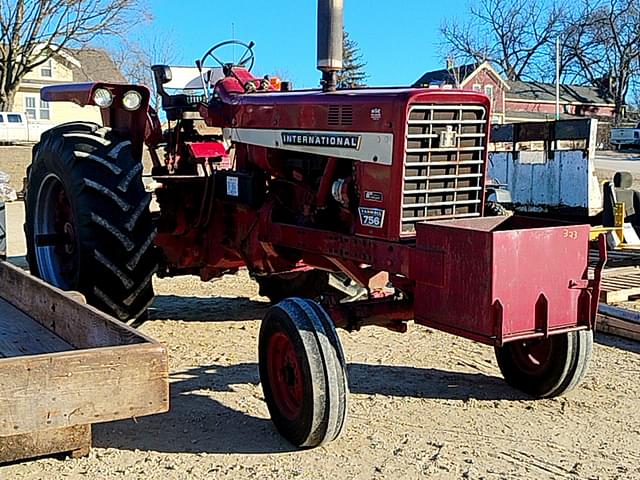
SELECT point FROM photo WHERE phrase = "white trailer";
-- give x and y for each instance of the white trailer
(547, 167)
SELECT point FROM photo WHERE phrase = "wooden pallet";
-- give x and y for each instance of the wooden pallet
(618, 327)
(620, 284)
(65, 366)
(616, 258)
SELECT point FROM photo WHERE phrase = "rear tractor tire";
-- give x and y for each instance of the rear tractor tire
(545, 368)
(303, 373)
(88, 224)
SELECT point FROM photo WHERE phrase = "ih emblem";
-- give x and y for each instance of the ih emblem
(448, 137)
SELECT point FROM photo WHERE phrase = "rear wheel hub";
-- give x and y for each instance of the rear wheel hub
(55, 234)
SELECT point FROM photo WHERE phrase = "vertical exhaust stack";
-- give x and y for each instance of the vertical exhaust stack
(330, 14)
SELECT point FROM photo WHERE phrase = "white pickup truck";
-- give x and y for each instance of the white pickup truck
(13, 127)
(625, 137)
(16, 128)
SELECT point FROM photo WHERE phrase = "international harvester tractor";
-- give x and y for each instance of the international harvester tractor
(349, 207)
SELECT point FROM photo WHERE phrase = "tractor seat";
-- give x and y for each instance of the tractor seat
(620, 191)
(181, 89)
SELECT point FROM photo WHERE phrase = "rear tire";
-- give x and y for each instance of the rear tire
(88, 224)
(303, 373)
(548, 367)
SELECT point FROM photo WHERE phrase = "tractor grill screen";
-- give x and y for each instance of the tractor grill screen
(340, 115)
(443, 167)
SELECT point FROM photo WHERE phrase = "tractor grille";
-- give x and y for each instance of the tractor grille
(443, 169)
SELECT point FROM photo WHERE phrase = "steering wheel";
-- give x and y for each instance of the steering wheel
(246, 58)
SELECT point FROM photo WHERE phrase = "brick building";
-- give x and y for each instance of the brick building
(523, 101)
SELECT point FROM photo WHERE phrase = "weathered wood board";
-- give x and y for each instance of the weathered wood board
(21, 335)
(65, 365)
(76, 441)
(618, 284)
(618, 327)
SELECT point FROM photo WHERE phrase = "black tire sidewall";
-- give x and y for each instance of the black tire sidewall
(58, 154)
(56, 157)
(298, 430)
(548, 380)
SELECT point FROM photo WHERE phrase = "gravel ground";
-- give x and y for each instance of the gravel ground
(14, 161)
(423, 405)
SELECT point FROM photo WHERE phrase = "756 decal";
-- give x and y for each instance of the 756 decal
(371, 217)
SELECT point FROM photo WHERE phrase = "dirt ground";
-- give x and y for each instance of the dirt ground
(423, 404)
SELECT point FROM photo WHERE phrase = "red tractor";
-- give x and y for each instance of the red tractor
(349, 207)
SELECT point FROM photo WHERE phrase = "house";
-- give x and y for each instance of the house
(66, 66)
(523, 101)
(477, 77)
(530, 101)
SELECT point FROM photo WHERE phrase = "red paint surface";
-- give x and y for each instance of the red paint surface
(207, 149)
(501, 279)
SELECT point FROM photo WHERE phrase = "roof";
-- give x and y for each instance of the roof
(446, 75)
(96, 65)
(463, 73)
(546, 92)
(518, 116)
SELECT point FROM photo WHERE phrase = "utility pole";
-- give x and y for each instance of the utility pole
(558, 78)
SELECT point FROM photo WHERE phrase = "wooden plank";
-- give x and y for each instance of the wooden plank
(81, 387)
(616, 258)
(617, 296)
(80, 325)
(619, 312)
(618, 284)
(618, 327)
(3, 232)
(21, 335)
(73, 440)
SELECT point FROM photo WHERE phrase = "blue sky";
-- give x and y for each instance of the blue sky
(399, 39)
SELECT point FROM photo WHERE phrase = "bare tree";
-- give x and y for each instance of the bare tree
(512, 34)
(602, 47)
(32, 31)
(135, 58)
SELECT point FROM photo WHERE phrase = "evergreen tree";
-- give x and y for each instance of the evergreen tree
(352, 74)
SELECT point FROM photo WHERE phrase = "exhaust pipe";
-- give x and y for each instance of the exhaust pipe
(330, 23)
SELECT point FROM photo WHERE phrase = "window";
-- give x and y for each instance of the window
(13, 118)
(1, 119)
(30, 107)
(477, 87)
(488, 91)
(45, 111)
(46, 69)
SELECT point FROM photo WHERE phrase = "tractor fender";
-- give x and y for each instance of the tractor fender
(138, 123)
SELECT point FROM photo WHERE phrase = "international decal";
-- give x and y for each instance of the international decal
(332, 140)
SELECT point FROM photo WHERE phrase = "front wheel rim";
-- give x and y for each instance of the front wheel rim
(285, 376)
(533, 357)
(55, 234)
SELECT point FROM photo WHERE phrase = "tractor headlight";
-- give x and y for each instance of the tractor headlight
(132, 100)
(102, 97)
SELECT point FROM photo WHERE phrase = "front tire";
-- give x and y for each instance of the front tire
(303, 372)
(549, 367)
(88, 224)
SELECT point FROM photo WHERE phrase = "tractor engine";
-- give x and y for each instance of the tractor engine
(369, 162)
